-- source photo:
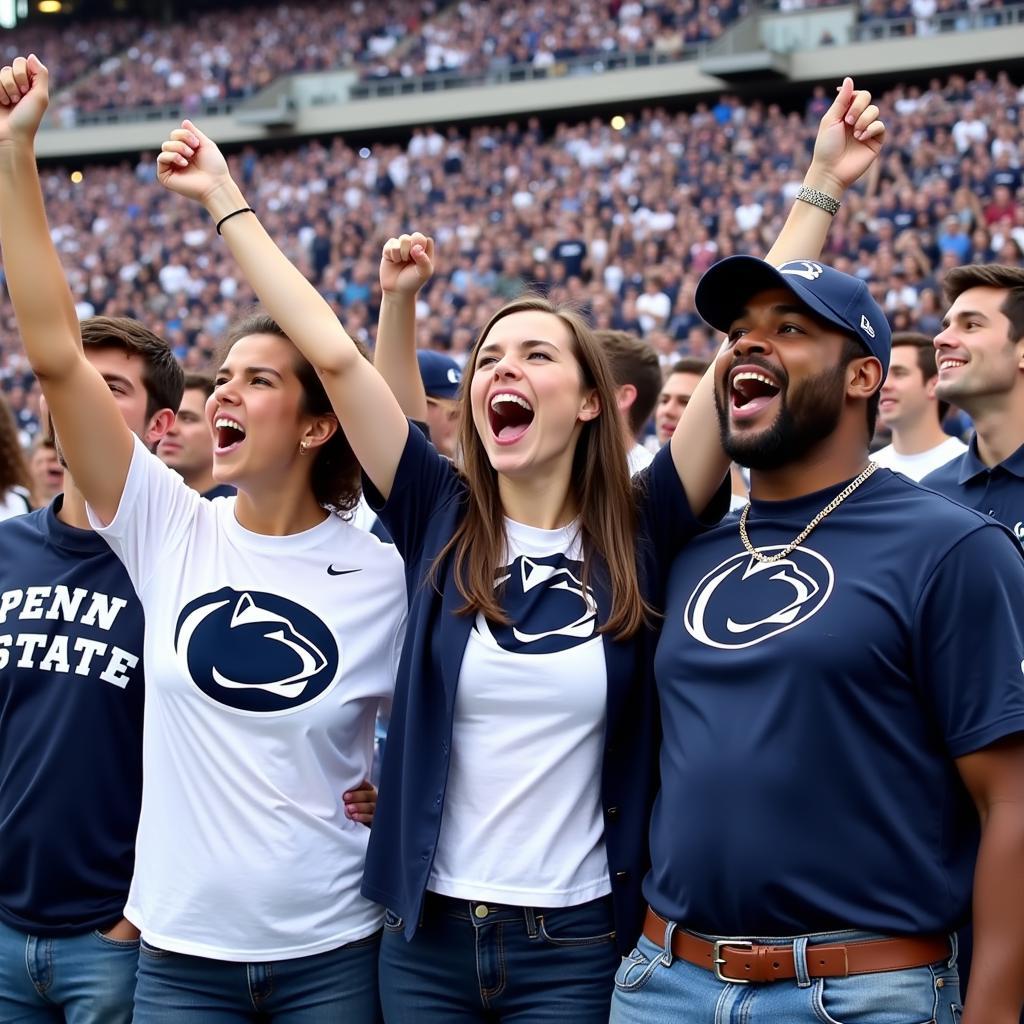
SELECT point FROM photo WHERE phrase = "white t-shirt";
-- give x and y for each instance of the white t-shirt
(639, 458)
(919, 465)
(529, 733)
(266, 659)
(14, 503)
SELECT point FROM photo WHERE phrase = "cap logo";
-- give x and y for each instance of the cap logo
(802, 268)
(454, 376)
(865, 326)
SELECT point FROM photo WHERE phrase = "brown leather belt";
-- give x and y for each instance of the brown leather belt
(744, 962)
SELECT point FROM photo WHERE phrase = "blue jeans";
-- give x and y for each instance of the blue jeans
(651, 987)
(339, 985)
(489, 962)
(81, 979)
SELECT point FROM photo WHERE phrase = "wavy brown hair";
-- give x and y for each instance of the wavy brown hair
(335, 477)
(13, 467)
(600, 484)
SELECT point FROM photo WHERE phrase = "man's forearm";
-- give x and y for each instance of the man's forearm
(996, 993)
(803, 235)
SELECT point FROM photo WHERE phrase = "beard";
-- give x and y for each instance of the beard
(807, 414)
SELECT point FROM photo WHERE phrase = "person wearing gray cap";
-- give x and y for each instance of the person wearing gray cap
(841, 700)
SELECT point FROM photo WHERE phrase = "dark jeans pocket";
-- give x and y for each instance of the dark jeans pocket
(392, 922)
(589, 924)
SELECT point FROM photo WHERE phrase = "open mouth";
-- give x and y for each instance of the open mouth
(751, 392)
(510, 416)
(229, 433)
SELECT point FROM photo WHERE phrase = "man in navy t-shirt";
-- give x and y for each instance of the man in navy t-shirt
(71, 697)
(188, 446)
(842, 697)
(980, 356)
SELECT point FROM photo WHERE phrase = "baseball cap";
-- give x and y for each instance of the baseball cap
(840, 299)
(441, 374)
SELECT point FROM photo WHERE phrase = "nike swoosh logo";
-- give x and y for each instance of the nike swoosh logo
(331, 571)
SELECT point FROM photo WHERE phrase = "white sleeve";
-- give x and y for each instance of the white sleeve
(153, 518)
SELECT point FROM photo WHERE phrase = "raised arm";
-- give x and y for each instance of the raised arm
(94, 439)
(405, 267)
(850, 136)
(192, 165)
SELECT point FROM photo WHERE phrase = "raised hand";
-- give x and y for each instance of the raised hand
(24, 97)
(850, 136)
(406, 264)
(191, 164)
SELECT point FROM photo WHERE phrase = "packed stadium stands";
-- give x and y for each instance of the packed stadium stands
(622, 219)
(623, 222)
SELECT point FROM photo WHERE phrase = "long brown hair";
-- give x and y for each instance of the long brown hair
(13, 467)
(335, 476)
(600, 484)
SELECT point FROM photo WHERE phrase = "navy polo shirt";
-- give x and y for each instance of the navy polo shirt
(812, 710)
(71, 696)
(998, 491)
(426, 504)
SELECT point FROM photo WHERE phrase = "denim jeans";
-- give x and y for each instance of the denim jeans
(325, 988)
(652, 987)
(81, 979)
(474, 961)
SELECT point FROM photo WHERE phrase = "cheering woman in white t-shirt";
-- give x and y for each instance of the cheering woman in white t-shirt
(510, 839)
(273, 629)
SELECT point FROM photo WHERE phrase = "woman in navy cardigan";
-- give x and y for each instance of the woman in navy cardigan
(510, 838)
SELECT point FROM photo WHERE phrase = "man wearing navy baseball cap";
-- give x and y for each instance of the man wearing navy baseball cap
(842, 701)
(441, 379)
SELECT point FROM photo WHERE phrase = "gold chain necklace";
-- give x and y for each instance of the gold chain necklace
(806, 532)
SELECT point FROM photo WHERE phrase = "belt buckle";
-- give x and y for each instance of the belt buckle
(718, 961)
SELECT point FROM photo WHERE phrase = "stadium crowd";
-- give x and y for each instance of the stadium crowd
(623, 222)
(131, 63)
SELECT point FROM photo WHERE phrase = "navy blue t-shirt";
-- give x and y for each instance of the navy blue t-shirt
(812, 710)
(997, 491)
(71, 696)
(220, 491)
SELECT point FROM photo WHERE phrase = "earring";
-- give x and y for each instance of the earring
(303, 447)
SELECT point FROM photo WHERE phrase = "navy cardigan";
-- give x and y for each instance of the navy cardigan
(426, 504)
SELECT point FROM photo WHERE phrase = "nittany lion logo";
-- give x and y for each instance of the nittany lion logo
(548, 607)
(256, 652)
(743, 602)
(802, 268)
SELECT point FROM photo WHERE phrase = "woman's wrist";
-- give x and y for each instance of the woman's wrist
(223, 199)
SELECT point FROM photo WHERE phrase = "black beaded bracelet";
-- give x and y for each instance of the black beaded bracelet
(234, 213)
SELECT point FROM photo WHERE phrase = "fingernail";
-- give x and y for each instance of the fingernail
(193, 140)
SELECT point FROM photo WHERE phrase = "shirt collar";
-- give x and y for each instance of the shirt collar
(971, 465)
